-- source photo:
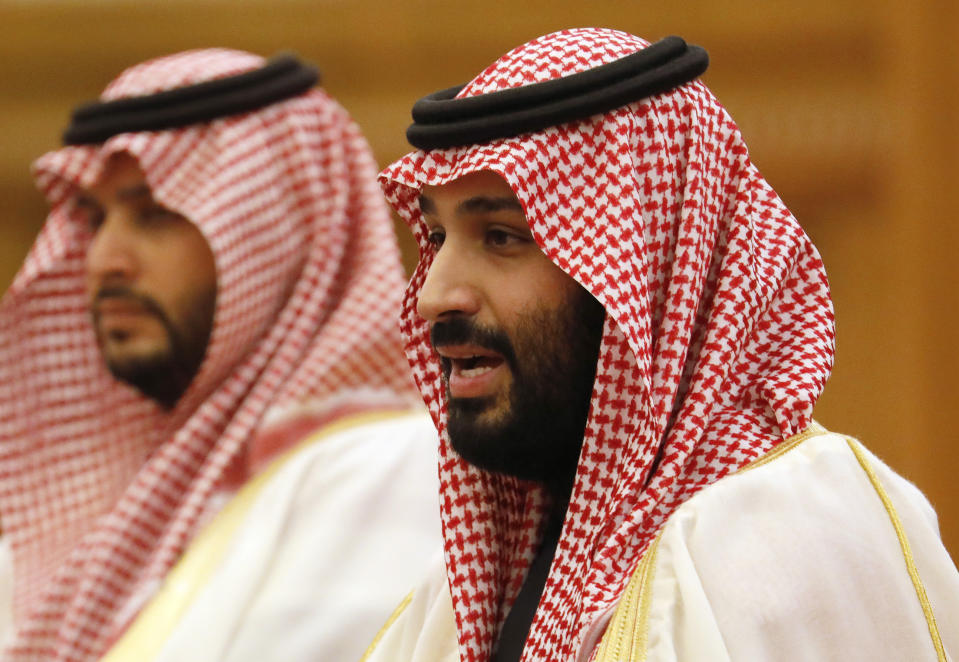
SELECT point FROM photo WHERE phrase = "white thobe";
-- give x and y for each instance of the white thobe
(801, 557)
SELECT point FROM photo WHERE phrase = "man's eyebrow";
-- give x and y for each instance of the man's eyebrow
(478, 204)
(486, 203)
(129, 194)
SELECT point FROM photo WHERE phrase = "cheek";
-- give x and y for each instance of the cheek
(89, 284)
(95, 276)
(553, 289)
(518, 297)
(184, 273)
(95, 266)
(205, 270)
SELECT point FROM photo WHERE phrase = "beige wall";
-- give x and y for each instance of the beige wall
(848, 107)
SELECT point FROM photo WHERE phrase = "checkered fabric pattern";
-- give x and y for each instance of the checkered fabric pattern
(101, 490)
(718, 338)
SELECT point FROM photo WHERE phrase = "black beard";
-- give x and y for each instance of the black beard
(163, 376)
(540, 436)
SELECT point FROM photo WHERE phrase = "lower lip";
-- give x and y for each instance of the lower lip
(475, 386)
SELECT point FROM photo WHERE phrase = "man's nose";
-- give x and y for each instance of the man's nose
(112, 254)
(449, 288)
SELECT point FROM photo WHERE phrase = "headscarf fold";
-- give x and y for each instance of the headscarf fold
(100, 489)
(718, 336)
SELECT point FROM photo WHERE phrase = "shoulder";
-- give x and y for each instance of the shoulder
(379, 469)
(823, 477)
(370, 444)
(336, 533)
(801, 552)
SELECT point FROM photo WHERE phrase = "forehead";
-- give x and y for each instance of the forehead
(121, 177)
(480, 185)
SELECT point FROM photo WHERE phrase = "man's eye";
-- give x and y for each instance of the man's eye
(501, 238)
(91, 216)
(435, 238)
(157, 214)
(94, 219)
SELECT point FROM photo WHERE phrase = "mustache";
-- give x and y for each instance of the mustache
(125, 293)
(463, 331)
(120, 292)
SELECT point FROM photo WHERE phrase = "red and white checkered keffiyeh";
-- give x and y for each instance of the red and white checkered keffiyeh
(101, 490)
(718, 339)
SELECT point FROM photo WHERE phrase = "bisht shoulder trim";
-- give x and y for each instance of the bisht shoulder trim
(441, 121)
(280, 78)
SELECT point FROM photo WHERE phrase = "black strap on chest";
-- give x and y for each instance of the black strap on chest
(512, 638)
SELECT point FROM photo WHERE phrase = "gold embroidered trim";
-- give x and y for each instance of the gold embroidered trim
(906, 549)
(386, 626)
(629, 630)
(814, 430)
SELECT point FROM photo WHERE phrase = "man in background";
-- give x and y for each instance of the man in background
(203, 339)
(621, 331)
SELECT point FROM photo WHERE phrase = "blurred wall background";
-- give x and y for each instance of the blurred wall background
(849, 108)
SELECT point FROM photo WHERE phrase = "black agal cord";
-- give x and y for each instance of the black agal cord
(440, 121)
(282, 77)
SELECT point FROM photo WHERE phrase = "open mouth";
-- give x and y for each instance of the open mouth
(474, 366)
(472, 371)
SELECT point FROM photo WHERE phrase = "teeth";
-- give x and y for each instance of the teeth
(475, 372)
